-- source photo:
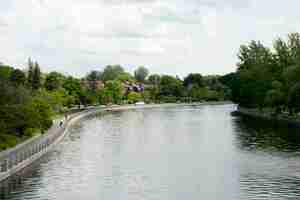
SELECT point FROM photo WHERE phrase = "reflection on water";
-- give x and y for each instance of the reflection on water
(266, 136)
(166, 153)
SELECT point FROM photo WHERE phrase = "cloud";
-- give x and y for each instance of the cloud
(170, 36)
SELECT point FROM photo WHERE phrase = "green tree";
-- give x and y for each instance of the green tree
(294, 99)
(154, 79)
(171, 86)
(93, 77)
(291, 75)
(36, 77)
(141, 73)
(30, 73)
(125, 77)
(113, 92)
(232, 83)
(275, 99)
(12, 94)
(18, 77)
(74, 89)
(294, 47)
(111, 72)
(193, 80)
(5, 72)
(254, 73)
(43, 112)
(282, 58)
(54, 81)
(134, 97)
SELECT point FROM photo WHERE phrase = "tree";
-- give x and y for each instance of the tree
(125, 77)
(196, 93)
(193, 80)
(154, 79)
(30, 73)
(94, 76)
(294, 47)
(12, 94)
(74, 88)
(231, 82)
(5, 72)
(171, 86)
(255, 76)
(36, 78)
(291, 75)
(54, 81)
(18, 77)
(112, 92)
(282, 57)
(141, 73)
(134, 97)
(43, 112)
(294, 99)
(275, 99)
(111, 72)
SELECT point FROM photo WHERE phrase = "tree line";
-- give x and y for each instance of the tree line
(268, 78)
(30, 98)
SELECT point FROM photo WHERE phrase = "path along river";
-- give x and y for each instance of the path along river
(174, 153)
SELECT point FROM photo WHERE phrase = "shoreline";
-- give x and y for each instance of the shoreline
(268, 116)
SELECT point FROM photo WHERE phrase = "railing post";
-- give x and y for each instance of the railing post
(3, 166)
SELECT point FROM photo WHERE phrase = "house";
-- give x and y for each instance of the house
(133, 87)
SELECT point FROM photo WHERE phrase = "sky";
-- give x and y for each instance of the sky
(167, 36)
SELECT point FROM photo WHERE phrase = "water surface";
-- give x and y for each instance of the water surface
(178, 153)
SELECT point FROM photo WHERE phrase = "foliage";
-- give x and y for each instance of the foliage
(154, 79)
(30, 73)
(171, 86)
(134, 97)
(18, 77)
(294, 99)
(125, 77)
(268, 77)
(111, 72)
(112, 92)
(73, 88)
(193, 80)
(30, 100)
(94, 75)
(36, 77)
(5, 72)
(141, 73)
(54, 81)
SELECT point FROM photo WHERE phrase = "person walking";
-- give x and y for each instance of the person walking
(61, 123)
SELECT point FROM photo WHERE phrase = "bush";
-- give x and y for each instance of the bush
(134, 97)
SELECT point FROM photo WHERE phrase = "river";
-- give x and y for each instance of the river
(174, 153)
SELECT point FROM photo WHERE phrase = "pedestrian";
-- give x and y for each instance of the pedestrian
(61, 123)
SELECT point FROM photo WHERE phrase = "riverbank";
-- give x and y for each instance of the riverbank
(280, 119)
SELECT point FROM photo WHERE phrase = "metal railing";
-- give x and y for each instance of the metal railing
(13, 159)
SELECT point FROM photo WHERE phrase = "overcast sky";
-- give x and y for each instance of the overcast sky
(167, 36)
